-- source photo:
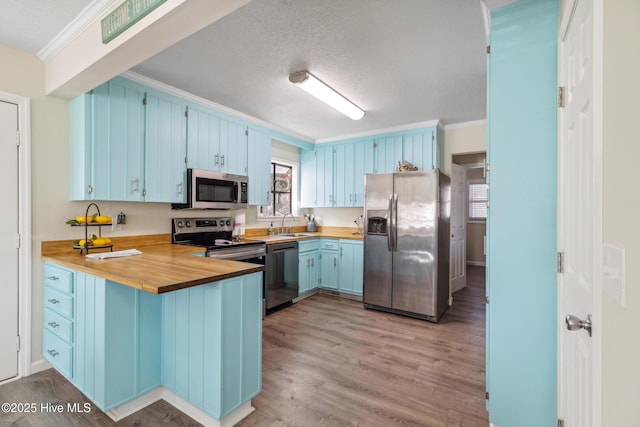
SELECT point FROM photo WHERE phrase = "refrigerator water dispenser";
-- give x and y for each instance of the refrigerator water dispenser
(377, 222)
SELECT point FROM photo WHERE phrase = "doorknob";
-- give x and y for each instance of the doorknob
(574, 323)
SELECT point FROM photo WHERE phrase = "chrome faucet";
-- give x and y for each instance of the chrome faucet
(282, 230)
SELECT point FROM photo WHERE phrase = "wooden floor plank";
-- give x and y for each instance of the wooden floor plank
(329, 362)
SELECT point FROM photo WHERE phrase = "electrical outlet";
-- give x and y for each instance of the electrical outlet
(117, 220)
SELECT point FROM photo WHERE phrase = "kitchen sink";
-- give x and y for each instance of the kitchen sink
(294, 234)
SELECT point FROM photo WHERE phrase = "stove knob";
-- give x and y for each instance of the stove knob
(180, 224)
(188, 223)
(228, 222)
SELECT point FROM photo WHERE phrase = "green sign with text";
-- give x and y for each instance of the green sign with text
(125, 15)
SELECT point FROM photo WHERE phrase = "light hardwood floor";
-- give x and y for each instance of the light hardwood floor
(329, 362)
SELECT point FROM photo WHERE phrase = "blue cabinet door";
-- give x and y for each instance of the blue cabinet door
(351, 266)
(521, 224)
(308, 178)
(304, 267)
(80, 128)
(342, 174)
(329, 269)
(233, 146)
(388, 152)
(259, 166)
(165, 148)
(361, 165)
(324, 177)
(418, 149)
(117, 141)
(203, 138)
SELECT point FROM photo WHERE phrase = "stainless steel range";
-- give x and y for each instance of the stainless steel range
(215, 236)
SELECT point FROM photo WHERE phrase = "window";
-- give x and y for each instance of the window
(282, 198)
(478, 201)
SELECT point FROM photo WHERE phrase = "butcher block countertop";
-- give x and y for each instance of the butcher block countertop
(162, 267)
(350, 233)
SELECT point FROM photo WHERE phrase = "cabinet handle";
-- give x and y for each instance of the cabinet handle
(89, 189)
(335, 261)
(312, 262)
(222, 160)
(53, 353)
(350, 198)
(217, 159)
(136, 189)
(53, 301)
(308, 262)
(180, 189)
(52, 278)
(341, 252)
(53, 324)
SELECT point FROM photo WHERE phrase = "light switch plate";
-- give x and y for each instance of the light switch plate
(613, 273)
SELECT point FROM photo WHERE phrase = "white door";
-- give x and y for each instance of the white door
(579, 221)
(8, 241)
(458, 258)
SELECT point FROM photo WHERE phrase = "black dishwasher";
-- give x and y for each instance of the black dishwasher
(281, 285)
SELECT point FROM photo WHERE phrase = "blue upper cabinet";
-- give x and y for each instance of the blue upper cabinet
(259, 166)
(107, 143)
(216, 142)
(203, 138)
(165, 148)
(417, 149)
(388, 152)
(350, 166)
(521, 255)
(308, 178)
(325, 194)
(125, 150)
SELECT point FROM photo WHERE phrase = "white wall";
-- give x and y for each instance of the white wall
(463, 138)
(621, 200)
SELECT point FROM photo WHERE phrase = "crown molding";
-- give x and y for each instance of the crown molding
(139, 78)
(88, 16)
(400, 128)
(463, 125)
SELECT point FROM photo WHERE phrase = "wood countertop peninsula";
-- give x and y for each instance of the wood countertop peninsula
(165, 267)
(162, 267)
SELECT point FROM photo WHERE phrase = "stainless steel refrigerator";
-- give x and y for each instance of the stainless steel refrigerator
(406, 243)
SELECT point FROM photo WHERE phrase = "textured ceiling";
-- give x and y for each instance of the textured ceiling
(403, 61)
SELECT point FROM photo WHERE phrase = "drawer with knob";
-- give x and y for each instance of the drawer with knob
(58, 353)
(59, 325)
(58, 302)
(58, 278)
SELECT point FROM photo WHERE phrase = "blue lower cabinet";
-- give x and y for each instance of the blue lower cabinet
(118, 343)
(118, 334)
(212, 343)
(351, 266)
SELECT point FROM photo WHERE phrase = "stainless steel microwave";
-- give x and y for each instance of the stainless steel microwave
(214, 190)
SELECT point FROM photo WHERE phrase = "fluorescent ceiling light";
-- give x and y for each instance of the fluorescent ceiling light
(307, 81)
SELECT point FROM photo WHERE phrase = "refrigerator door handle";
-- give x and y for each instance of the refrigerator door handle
(390, 223)
(394, 221)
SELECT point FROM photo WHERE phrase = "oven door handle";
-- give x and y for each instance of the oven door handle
(237, 256)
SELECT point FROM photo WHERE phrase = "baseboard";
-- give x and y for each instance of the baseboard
(202, 417)
(132, 406)
(477, 263)
(39, 366)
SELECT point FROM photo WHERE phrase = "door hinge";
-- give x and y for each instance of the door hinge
(486, 395)
(487, 299)
(560, 422)
(560, 259)
(144, 101)
(561, 97)
(488, 204)
(246, 132)
(18, 241)
(488, 49)
(18, 343)
(18, 138)
(186, 112)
